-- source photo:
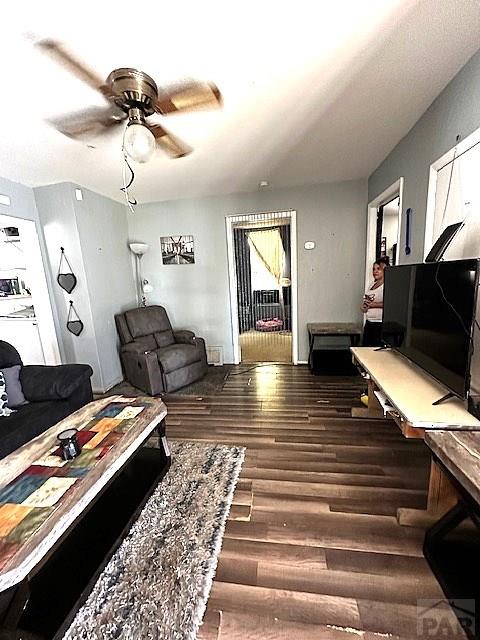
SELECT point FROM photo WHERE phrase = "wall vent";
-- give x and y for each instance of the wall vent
(215, 356)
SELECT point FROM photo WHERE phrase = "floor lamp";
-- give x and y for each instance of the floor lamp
(139, 249)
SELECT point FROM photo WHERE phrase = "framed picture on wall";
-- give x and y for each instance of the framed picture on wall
(177, 249)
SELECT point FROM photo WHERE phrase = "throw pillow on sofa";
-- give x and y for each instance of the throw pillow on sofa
(13, 387)
(4, 410)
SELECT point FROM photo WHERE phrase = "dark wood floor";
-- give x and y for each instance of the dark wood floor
(312, 548)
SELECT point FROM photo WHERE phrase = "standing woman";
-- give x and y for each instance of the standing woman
(372, 305)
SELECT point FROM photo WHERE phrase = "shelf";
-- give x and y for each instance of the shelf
(385, 402)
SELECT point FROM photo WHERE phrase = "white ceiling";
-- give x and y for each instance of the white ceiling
(314, 91)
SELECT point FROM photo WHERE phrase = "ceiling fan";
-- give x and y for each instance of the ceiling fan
(131, 96)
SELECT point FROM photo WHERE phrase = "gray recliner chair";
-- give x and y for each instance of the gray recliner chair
(155, 358)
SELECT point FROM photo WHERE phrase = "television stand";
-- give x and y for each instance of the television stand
(447, 396)
(400, 390)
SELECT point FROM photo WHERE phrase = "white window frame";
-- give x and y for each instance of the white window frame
(462, 146)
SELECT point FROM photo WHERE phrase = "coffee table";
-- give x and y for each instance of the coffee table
(60, 522)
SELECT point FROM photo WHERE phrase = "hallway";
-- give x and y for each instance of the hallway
(256, 346)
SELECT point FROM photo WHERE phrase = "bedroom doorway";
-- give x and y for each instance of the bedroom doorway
(263, 286)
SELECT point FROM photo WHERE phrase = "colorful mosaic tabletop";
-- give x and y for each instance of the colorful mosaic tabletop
(28, 500)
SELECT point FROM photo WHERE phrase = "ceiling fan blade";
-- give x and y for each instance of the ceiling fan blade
(189, 96)
(59, 53)
(93, 121)
(169, 143)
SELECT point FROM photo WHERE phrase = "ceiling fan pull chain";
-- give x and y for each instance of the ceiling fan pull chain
(132, 174)
(131, 202)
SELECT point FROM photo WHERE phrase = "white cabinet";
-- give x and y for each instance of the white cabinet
(23, 334)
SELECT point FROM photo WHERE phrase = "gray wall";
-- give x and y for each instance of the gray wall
(103, 232)
(330, 278)
(57, 215)
(94, 235)
(456, 111)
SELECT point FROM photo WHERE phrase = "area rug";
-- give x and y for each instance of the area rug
(211, 384)
(157, 583)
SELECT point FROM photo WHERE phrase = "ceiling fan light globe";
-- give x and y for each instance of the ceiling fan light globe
(139, 142)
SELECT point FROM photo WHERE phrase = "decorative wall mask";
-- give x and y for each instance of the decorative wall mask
(74, 324)
(68, 279)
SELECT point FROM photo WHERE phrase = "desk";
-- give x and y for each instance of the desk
(408, 393)
(332, 329)
(459, 454)
(451, 548)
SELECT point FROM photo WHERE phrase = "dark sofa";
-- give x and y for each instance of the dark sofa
(53, 394)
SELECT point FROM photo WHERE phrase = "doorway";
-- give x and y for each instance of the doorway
(387, 230)
(263, 286)
(384, 220)
(26, 318)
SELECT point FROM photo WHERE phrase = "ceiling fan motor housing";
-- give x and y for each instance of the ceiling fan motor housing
(135, 92)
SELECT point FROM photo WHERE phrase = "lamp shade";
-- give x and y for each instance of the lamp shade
(138, 248)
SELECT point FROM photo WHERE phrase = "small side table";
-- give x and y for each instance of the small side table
(333, 330)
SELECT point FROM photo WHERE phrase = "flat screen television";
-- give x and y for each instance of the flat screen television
(397, 305)
(428, 315)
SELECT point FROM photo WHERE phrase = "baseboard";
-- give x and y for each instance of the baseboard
(239, 363)
(110, 385)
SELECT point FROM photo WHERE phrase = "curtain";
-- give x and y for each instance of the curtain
(284, 231)
(268, 244)
(244, 279)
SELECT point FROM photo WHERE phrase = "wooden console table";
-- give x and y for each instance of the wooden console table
(400, 390)
(453, 558)
(460, 454)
